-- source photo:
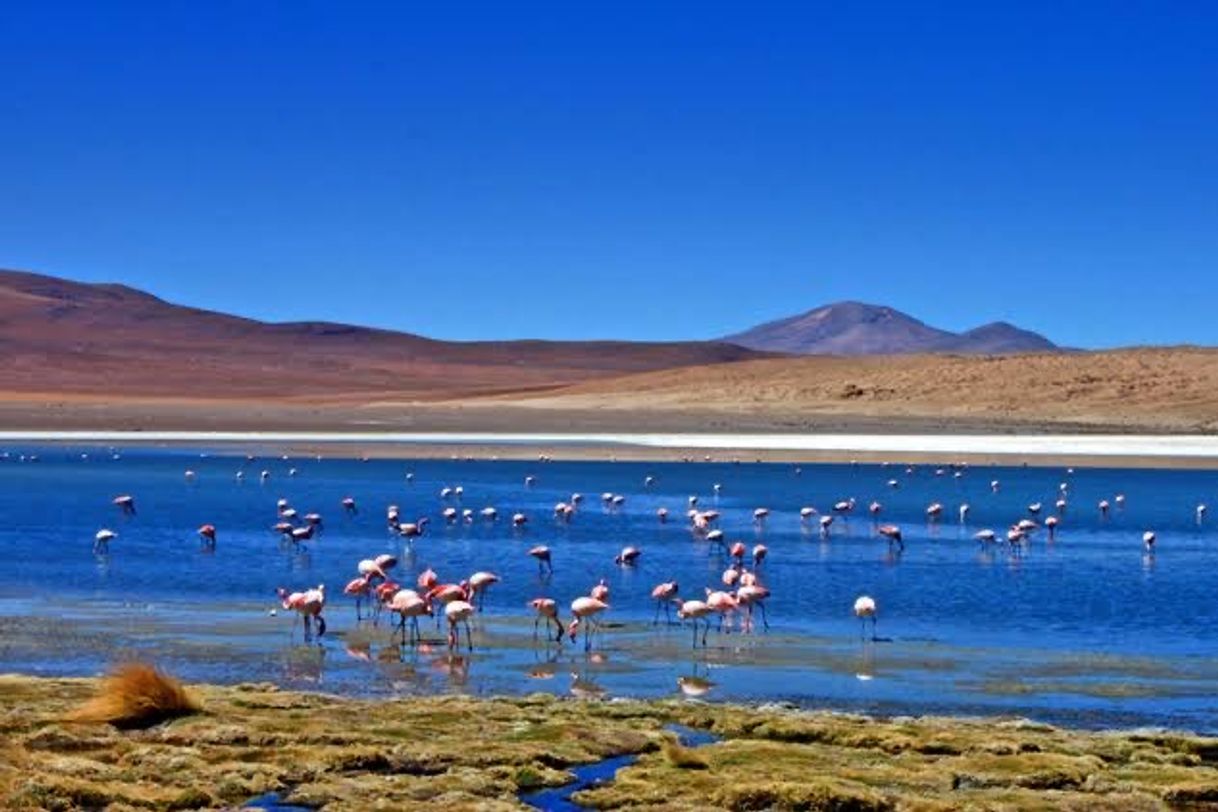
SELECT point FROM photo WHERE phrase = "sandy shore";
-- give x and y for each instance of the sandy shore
(458, 752)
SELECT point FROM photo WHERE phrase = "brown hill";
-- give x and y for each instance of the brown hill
(1162, 389)
(64, 337)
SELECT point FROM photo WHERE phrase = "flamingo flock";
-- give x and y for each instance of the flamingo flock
(735, 602)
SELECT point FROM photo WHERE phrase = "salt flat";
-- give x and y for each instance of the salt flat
(1049, 445)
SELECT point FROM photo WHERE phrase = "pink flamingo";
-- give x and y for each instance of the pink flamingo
(722, 602)
(585, 611)
(208, 533)
(307, 604)
(542, 554)
(479, 583)
(428, 579)
(759, 553)
(696, 611)
(750, 595)
(864, 610)
(737, 551)
(360, 588)
(600, 592)
(547, 609)
(349, 505)
(125, 503)
(407, 603)
(892, 533)
(628, 557)
(664, 594)
(457, 612)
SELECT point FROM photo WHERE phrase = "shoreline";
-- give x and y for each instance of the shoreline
(336, 753)
(1086, 450)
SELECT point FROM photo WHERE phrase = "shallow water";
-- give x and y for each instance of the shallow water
(1085, 630)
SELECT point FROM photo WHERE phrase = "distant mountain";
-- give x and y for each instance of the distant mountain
(997, 338)
(60, 336)
(856, 328)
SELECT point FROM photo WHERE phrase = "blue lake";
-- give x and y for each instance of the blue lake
(1086, 630)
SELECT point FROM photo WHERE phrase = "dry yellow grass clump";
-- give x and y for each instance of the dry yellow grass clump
(136, 695)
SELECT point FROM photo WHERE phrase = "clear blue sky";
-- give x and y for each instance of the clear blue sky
(637, 170)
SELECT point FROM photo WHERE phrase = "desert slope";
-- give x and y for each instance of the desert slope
(65, 337)
(1164, 389)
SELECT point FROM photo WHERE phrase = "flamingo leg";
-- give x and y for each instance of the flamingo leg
(695, 640)
(656, 620)
(558, 623)
(321, 626)
(536, 621)
(469, 637)
(705, 631)
(764, 620)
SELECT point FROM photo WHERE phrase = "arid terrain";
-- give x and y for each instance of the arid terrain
(80, 356)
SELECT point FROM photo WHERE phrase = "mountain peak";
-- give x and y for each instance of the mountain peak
(859, 328)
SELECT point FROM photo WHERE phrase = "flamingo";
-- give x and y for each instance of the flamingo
(662, 515)
(934, 511)
(125, 503)
(479, 583)
(875, 508)
(1051, 524)
(737, 551)
(985, 535)
(371, 568)
(542, 554)
(964, 509)
(892, 533)
(722, 602)
(585, 609)
(530, 481)
(864, 610)
(695, 611)
(760, 551)
(1201, 509)
(308, 604)
(519, 520)
(102, 539)
(600, 591)
(760, 514)
(349, 505)
(628, 557)
(208, 534)
(750, 595)
(428, 579)
(825, 523)
(406, 603)
(664, 594)
(1034, 508)
(807, 512)
(360, 588)
(457, 612)
(731, 575)
(1104, 507)
(545, 609)
(1148, 539)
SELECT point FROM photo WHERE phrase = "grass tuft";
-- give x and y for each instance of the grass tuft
(136, 695)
